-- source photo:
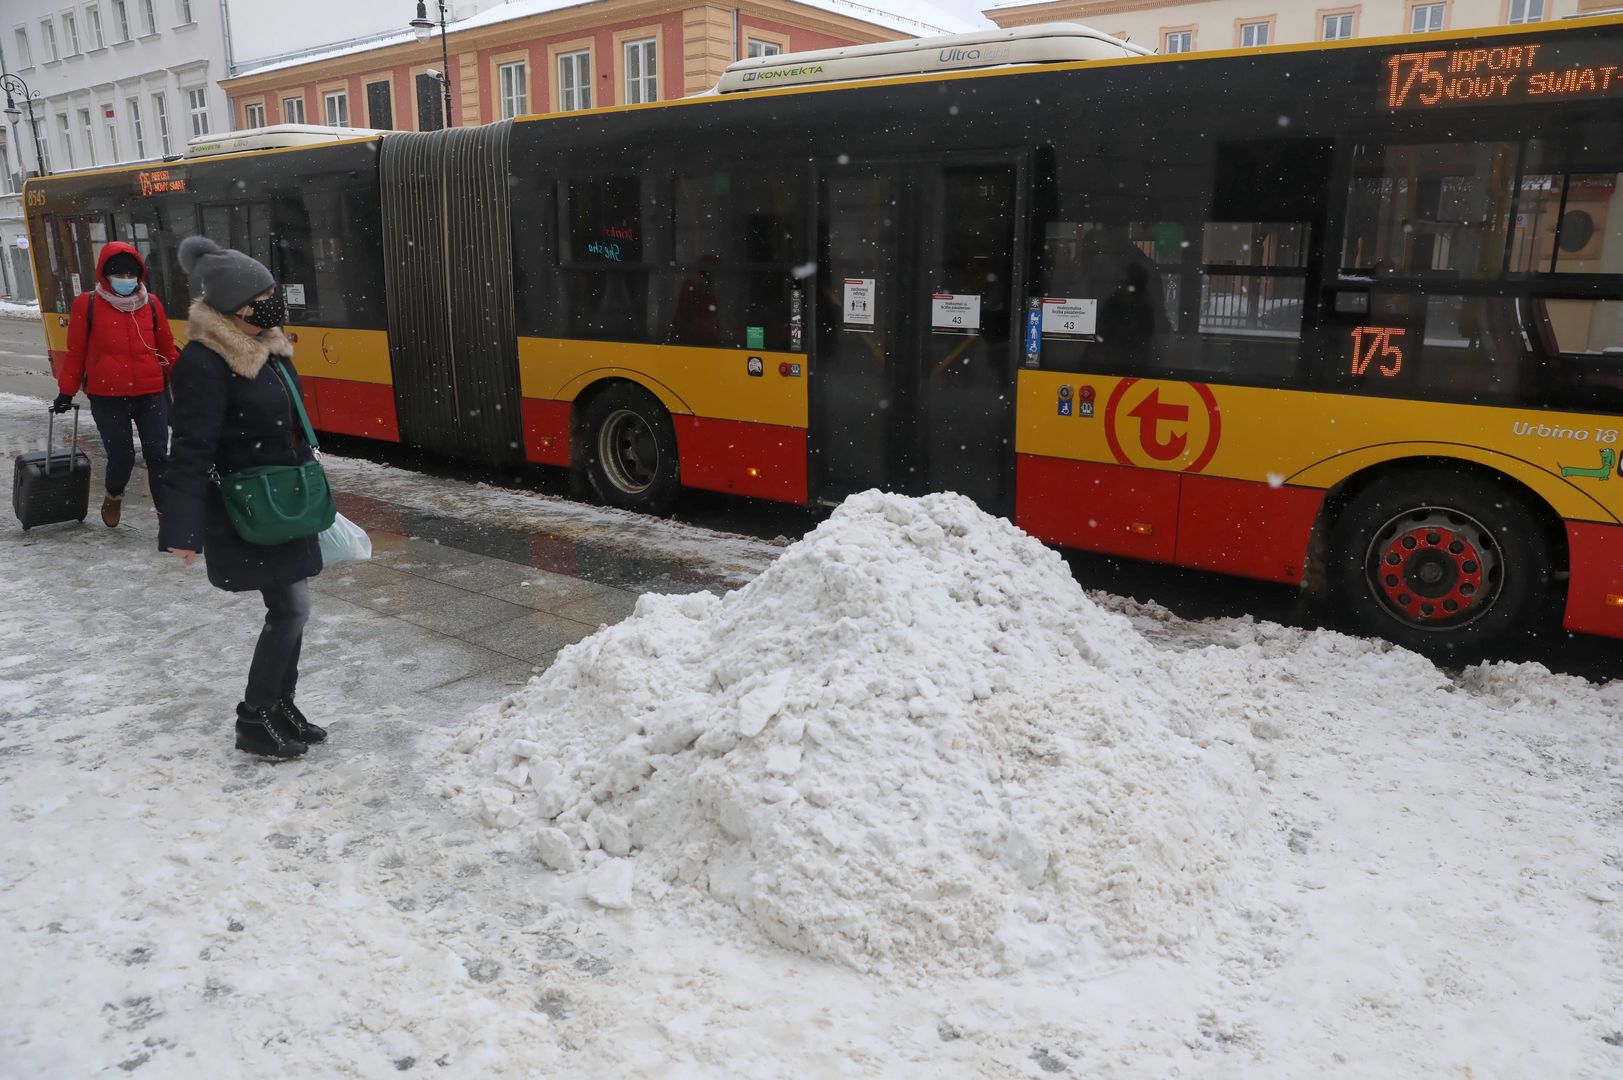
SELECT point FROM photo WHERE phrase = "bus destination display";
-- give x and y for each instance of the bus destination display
(1507, 74)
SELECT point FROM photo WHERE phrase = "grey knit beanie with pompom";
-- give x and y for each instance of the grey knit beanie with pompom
(228, 279)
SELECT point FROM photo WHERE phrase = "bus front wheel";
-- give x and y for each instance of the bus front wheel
(631, 450)
(1447, 563)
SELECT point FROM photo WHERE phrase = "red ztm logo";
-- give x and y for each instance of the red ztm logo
(1377, 342)
(1159, 425)
(1149, 413)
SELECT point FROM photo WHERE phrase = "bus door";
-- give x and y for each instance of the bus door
(913, 364)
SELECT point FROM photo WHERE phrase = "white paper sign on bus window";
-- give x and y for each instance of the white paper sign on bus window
(955, 313)
(1065, 317)
(294, 295)
(77, 288)
(859, 302)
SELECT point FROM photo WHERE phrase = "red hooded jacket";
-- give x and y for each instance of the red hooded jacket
(120, 356)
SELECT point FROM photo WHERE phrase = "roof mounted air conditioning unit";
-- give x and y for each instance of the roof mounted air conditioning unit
(274, 137)
(1046, 43)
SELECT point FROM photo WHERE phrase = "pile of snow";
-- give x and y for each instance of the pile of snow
(11, 309)
(912, 745)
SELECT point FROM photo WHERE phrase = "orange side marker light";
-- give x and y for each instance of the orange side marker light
(1614, 600)
(1141, 528)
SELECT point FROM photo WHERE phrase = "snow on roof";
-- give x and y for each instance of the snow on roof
(908, 16)
(342, 48)
(913, 17)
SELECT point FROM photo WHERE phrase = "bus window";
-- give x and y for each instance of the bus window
(740, 216)
(1116, 268)
(1420, 217)
(1585, 341)
(319, 234)
(604, 223)
(1569, 223)
(1440, 208)
(244, 227)
(72, 243)
(1198, 268)
(733, 235)
(1252, 279)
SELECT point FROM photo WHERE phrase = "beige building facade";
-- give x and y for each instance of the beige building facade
(1206, 25)
(520, 58)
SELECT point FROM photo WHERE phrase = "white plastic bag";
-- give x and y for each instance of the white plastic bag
(344, 540)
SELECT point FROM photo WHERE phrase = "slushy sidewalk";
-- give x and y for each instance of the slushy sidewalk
(170, 905)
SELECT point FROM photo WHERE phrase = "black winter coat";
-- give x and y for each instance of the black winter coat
(231, 411)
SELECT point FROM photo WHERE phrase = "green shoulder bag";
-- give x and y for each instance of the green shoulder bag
(272, 504)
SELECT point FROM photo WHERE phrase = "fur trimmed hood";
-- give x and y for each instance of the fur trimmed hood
(242, 354)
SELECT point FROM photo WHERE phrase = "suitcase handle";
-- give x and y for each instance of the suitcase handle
(50, 426)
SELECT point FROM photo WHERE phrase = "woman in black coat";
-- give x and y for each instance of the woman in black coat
(232, 410)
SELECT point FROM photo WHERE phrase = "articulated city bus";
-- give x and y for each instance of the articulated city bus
(1347, 312)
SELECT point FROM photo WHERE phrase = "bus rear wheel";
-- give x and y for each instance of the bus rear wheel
(1447, 563)
(631, 450)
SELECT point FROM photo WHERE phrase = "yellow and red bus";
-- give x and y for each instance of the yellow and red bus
(1349, 312)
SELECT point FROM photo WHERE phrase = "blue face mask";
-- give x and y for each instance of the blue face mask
(124, 286)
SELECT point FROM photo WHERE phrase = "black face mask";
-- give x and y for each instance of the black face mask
(269, 313)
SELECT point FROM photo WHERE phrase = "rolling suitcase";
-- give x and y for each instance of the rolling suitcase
(54, 484)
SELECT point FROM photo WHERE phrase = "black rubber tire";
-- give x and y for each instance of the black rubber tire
(1516, 590)
(629, 450)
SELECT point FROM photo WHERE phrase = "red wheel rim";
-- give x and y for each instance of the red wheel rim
(1434, 568)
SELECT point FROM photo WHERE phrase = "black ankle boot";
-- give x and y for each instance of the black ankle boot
(258, 732)
(303, 729)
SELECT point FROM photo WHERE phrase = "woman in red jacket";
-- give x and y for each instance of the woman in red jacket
(120, 349)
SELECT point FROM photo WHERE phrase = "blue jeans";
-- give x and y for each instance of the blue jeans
(274, 673)
(149, 413)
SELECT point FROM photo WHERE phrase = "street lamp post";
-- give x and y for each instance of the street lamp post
(423, 25)
(13, 84)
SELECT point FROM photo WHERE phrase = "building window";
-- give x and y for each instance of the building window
(380, 106)
(253, 116)
(1178, 41)
(762, 48)
(133, 107)
(337, 105)
(642, 72)
(98, 40)
(575, 81)
(1254, 34)
(67, 137)
(110, 118)
(197, 107)
(293, 110)
(150, 15)
(1424, 18)
(24, 54)
(89, 130)
(183, 10)
(515, 89)
(1526, 11)
(70, 32)
(160, 113)
(47, 34)
(121, 19)
(1338, 27)
(430, 110)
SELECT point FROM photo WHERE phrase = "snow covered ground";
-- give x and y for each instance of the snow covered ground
(910, 804)
(11, 309)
